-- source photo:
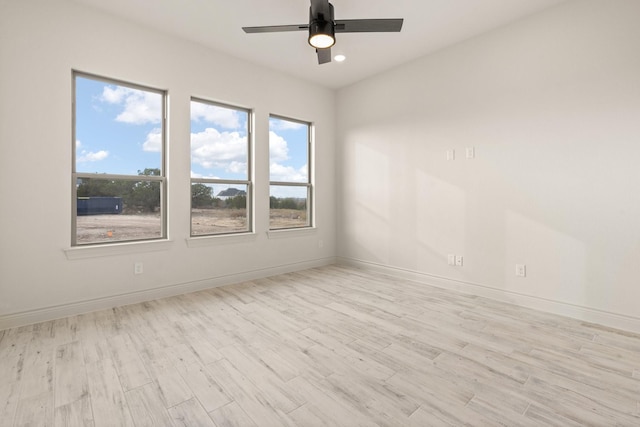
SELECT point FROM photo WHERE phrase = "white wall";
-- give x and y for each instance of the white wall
(552, 106)
(41, 41)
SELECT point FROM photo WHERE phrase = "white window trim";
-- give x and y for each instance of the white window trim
(79, 175)
(284, 233)
(116, 248)
(218, 239)
(197, 239)
(309, 184)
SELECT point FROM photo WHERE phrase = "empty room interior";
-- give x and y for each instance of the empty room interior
(434, 221)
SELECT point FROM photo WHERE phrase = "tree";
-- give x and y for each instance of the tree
(150, 172)
(201, 196)
(145, 195)
(96, 187)
(237, 202)
(288, 203)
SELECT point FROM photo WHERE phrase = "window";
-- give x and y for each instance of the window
(290, 182)
(220, 169)
(119, 181)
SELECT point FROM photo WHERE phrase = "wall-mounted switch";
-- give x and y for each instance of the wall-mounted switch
(451, 259)
(470, 152)
(451, 154)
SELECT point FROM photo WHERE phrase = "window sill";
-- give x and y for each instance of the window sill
(95, 251)
(291, 232)
(204, 241)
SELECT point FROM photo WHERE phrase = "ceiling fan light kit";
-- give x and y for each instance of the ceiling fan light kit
(321, 35)
(322, 28)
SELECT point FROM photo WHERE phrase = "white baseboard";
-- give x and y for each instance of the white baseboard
(587, 314)
(56, 312)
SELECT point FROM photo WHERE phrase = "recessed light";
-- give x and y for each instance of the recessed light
(339, 58)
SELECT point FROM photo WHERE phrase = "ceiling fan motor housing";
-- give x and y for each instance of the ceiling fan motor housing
(322, 32)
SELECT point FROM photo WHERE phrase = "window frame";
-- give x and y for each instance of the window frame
(75, 175)
(248, 182)
(308, 184)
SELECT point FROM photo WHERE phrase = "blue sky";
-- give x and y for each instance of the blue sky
(118, 131)
(288, 150)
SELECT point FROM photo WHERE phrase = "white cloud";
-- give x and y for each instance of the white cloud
(278, 153)
(224, 117)
(92, 156)
(113, 95)
(199, 175)
(153, 142)
(283, 173)
(237, 167)
(89, 156)
(278, 149)
(213, 149)
(140, 106)
(196, 175)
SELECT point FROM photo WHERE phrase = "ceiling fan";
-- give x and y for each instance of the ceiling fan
(322, 28)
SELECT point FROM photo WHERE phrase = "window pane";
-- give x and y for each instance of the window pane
(288, 207)
(115, 210)
(288, 150)
(219, 142)
(218, 208)
(118, 129)
(119, 157)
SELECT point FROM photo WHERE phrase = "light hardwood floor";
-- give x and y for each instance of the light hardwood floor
(332, 346)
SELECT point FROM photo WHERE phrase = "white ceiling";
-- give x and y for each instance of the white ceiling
(429, 25)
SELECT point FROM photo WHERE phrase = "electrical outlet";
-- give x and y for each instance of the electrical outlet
(459, 260)
(451, 259)
(137, 268)
(521, 270)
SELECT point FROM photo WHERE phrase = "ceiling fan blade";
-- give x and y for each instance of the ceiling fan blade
(322, 22)
(368, 25)
(276, 28)
(324, 55)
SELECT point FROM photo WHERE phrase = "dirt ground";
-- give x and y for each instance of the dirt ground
(287, 218)
(213, 221)
(114, 228)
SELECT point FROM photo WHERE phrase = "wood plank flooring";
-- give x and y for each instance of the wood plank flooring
(332, 346)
